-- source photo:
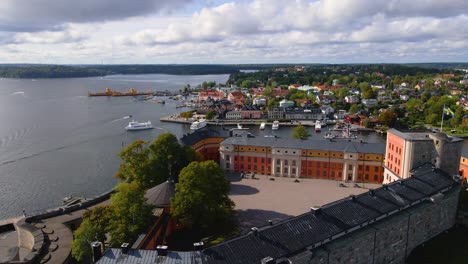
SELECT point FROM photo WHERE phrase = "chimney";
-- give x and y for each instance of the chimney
(162, 250)
(97, 251)
(254, 231)
(315, 210)
(198, 246)
(267, 260)
(125, 247)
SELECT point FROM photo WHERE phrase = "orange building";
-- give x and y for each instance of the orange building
(206, 142)
(464, 166)
(318, 159)
(407, 150)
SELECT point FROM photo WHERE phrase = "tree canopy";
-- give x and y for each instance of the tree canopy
(300, 132)
(154, 164)
(201, 197)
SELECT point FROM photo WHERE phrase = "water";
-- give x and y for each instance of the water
(56, 142)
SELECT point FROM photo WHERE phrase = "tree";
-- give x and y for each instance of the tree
(210, 115)
(387, 118)
(201, 197)
(93, 228)
(354, 108)
(154, 164)
(81, 245)
(130, 213)
(300, 132)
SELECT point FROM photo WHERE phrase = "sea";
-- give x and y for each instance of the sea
(55, 141)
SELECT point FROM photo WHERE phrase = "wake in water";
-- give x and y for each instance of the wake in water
(15, 93)
(122, 118)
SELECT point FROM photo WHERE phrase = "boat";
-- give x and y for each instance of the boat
(134, 125)
(262, 126)
(239, 126)
(275, 125)
(109, 92)
(329, 136)
(199, 124)
(318, 127)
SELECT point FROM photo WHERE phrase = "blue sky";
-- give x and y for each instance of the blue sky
(247, 31)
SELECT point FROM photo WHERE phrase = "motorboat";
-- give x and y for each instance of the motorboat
(262, 126)
(199, 124)
(318, 127)
(275, 125)
(329, 136)
(134, 125)
(239, 126)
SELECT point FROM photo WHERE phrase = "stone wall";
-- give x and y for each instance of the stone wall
(389, 240)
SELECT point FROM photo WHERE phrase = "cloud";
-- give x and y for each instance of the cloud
(39, 15)
(49, 37)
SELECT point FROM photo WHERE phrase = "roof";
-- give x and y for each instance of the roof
(161, 195)
(198, 135)
(314, 228)
(420, 136)
(338, 145)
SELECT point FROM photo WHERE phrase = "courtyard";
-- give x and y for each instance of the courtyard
(261, 199)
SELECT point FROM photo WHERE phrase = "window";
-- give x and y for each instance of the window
(285, 170)
(286, 151)
(278, 169)
(350, 167)
(333, 174)
(367, 168)
(318, 173)
(310, 163)
(255, 159)
(227, 157)
(255, 167)
(366, 176)
(360, 167)
(324, 174)
(376, 178)
(228, 165)
(248, 159)
(333, 165)
(248, 167)
(286, 162)
(350, 177)
(310, 172)
(376, 169)
(325, 165)
(293, 171)
(318, 164)
(293, 163)
(242, 158)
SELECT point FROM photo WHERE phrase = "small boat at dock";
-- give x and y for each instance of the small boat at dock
(275, 125)
(318, 127)
(262, 126)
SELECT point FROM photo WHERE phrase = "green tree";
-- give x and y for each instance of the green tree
(300, 132)
(154, 164)
(201, 197)
(210, 115)
(387, 118)
(355, 108)
(83, 237)
(130, 213)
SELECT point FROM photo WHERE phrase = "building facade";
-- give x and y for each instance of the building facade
(406, 151)
(339, 160)
(464, 166)
(206, 142)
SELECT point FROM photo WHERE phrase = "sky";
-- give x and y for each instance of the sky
(231, 32)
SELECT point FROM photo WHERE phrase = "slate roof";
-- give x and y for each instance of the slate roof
(161, 195)
(338, 145)
(310, 229)
(196, 136)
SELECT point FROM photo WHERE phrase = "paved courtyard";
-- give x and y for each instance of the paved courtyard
(259, 200)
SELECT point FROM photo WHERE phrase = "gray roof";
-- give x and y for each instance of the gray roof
(198, 135)
(161, 195)
(309, 229)
(337, 145)
(414, 136)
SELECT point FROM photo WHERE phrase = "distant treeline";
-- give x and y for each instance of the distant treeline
(64, 71)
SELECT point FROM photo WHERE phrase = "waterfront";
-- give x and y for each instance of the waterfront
(56, 142)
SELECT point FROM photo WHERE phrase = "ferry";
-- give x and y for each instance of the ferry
(262, 126)
(199, 124)
(318, 127)
(275, 125)
(133, 125)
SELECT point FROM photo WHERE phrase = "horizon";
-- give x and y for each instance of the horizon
(233, 32)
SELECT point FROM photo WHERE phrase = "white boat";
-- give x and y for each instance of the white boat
(329, 136)
(275, 125)
(199, 124)
(239, 126)
(262, 126)
(318, 126)
(133, 125)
